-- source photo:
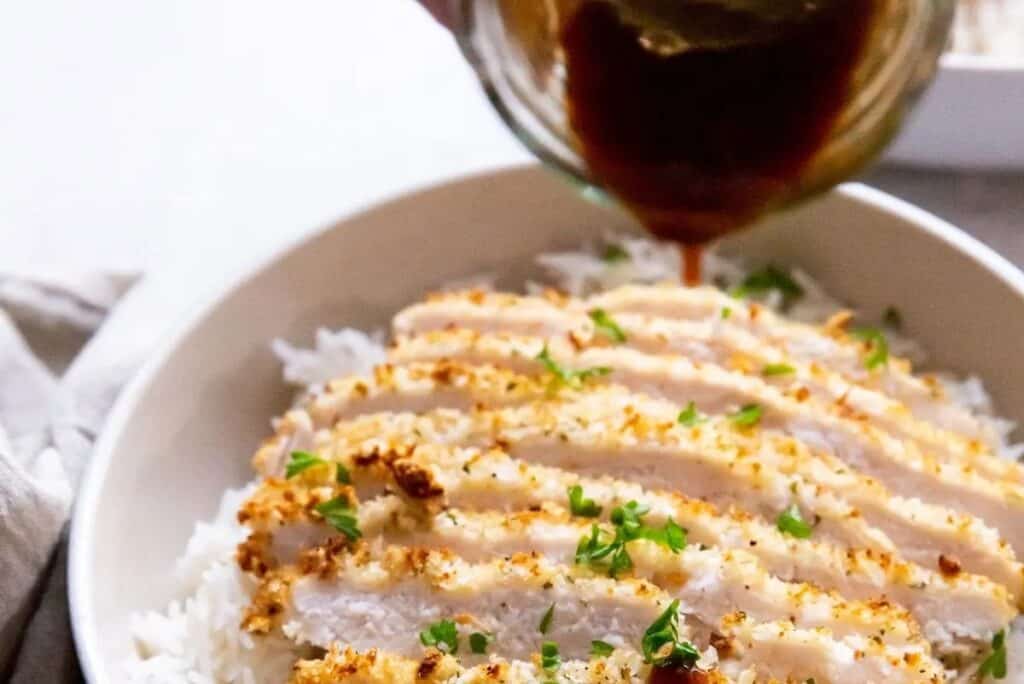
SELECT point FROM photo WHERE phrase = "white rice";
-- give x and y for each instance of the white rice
(334, 354)
(197, 639)
(990, 27)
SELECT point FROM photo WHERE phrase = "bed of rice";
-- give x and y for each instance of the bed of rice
(197, 638)
(990, 27)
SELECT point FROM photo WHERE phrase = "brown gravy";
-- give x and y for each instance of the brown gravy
(701, 142)
(677, 675)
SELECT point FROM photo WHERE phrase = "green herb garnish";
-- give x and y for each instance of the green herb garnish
(773, 369)
(995, 664)
(443, 633)
(748, 416)
(567, 376)
(661, 644)
(878, 347)
(628, 518)
(300, 461)
(340, 515)
(583, 507)
(342, 476)
(726, 312)
(605, 548)
(671, 536)
(593, 550)
(550, 660)
(690, 416)
(607, 326)
(791, 522)
(479, 641)
(614, 253)
(767, 279)
(601, 649)
(545, 621)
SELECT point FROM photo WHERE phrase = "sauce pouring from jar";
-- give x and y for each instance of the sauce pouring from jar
(700, 135)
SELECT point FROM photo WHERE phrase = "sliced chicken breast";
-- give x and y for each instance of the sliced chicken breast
(827, 345)
(536, 471)
(623, 666)
(898, 465)
(603, 435)
(709, 582)
(385, 599)
(711, 341)
(957, 612)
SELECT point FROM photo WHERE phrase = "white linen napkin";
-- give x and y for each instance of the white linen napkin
(47, 427)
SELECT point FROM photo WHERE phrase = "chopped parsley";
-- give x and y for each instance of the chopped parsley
(341, 475)
(661, 644)
(614, 254)
(479, 641)
(773, 369)
(877, 347)
(300, 461)
(441, 634)
(690, 416)
(748, 416)
(595, 549)
(791, 522)
(550, 660)
(995, 664)
(581, 506)
(607, 326)
(340, 515)
(726, 312)
(767, 279)
(606, 548)
(600, 649)
(892, 318)
(567, 376)
(628, 517)
(545, 621)
(671, 536)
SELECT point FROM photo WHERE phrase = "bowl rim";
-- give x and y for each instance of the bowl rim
(82, 530)
(962, 62)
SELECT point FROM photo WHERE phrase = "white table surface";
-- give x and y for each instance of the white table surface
(137, 134)
(151, 135)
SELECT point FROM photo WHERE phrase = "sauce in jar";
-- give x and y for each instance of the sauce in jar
(701, 141)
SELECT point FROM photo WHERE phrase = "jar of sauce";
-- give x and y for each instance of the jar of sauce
(701, 115)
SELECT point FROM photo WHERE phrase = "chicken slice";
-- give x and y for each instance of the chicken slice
(710, 582)
(825, 345)
(711, 341)
(957, 612)
(623, 666)
(925, 531)
(606, 434)
(385, 598)
(900, 466)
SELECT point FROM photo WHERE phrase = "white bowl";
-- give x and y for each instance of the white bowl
(185, 428)
(972, 117)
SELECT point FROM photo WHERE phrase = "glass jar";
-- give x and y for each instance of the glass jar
(515, 47)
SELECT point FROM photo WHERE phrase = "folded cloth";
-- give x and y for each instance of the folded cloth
(47, 426)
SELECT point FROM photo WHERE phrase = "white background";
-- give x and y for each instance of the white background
(135, 133)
